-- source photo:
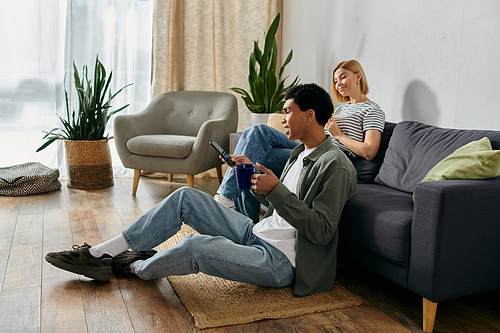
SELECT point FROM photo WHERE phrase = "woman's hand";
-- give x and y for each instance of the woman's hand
(333, 128)
(367, 149)
(264, 183)
(238, 159)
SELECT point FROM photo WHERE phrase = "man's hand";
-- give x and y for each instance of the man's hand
(264, 183)
(238, 159)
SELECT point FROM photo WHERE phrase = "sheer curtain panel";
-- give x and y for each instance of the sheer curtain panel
(120, 32)
(38, 53)
(32, 36)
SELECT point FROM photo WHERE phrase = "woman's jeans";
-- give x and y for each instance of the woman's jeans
(262, 144)
(226, 246)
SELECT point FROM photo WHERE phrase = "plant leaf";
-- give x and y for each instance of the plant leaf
(89, 121)
(265, 86)
(47, 143)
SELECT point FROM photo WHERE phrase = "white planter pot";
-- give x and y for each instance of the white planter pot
(259, 118)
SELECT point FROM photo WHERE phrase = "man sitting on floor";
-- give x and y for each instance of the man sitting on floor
(295, 242)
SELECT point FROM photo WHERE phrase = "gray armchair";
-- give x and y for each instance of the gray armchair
(171, 135)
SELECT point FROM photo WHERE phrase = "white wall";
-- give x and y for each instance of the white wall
(431, 61)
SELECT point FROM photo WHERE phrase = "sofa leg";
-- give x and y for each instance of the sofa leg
(429, 311)
(137, 175)
(170, 177)
(219, 173)
(190, 180)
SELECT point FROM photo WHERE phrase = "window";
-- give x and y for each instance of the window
(38, 52)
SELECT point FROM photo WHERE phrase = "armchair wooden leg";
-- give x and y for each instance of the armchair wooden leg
(190, 180)
(429, 311)
(219, 173)
(171, 177)
(137, 175)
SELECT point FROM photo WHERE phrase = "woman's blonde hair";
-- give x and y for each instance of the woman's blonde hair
(355, 67)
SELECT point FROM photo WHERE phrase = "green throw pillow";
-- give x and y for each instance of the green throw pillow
(475, 160)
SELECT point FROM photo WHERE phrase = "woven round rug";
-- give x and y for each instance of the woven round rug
(214, 302)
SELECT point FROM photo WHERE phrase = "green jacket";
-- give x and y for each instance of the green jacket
(326, 182)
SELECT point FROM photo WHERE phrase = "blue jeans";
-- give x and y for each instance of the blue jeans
(262, 144)
(226, 246)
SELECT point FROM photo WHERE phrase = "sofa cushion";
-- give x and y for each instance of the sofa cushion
(415, 148)
(368, 170)
(175, 146)
(378, 220)
(475, 160)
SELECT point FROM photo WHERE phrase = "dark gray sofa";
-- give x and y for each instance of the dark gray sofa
(439, 239)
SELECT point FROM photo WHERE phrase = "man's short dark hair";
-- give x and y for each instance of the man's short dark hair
(311, 96)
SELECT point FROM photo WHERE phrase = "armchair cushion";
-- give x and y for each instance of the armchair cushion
(162, 145)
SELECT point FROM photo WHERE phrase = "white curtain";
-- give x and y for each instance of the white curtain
(40, 40)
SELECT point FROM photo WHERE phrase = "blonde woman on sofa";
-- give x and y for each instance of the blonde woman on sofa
(356, 128)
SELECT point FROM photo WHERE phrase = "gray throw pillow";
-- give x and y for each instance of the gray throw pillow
(415, 148)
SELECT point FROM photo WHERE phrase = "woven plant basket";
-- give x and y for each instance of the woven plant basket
(89, 164)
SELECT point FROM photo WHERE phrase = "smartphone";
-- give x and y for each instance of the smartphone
(222, 153)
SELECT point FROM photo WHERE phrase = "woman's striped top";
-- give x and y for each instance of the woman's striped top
(355, 119)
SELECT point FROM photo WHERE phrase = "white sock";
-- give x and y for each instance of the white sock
(225, 201)
(134, 265)
(113, 247)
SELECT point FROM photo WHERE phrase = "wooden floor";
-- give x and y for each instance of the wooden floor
(37, 297)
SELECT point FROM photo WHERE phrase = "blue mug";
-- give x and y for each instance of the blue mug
(243, 174)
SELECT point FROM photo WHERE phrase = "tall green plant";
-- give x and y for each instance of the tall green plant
(267, 88)
(89, 123)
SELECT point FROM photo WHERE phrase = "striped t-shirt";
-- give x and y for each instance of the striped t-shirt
(355, 119)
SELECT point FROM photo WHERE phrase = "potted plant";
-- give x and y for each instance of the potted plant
(86, 144)
(267, 87)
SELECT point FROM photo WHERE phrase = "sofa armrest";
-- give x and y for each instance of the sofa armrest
(455, 238)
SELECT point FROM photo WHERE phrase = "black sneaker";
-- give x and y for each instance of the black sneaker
(80, 261)
(121, 263)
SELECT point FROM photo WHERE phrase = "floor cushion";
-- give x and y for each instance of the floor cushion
(28, 178)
